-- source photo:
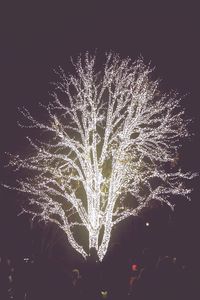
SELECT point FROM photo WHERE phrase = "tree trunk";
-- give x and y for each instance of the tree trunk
(93, 239)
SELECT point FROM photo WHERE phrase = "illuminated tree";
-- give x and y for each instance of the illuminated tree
(110, 136)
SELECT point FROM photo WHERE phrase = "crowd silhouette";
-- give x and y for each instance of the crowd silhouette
(131, 278)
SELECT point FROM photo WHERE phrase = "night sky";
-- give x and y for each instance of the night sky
(36, 38)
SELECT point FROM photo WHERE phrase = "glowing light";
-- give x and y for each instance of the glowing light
(147, 224)
(104, 294)
(110, 135)
(134, 267)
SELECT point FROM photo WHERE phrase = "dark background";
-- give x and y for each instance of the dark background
(37, 37)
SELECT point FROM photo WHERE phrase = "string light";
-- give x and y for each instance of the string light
(111, 137)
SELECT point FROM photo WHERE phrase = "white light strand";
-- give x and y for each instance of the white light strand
(110, 138)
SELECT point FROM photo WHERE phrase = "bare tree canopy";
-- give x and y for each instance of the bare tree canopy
(110, 135)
